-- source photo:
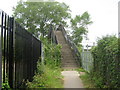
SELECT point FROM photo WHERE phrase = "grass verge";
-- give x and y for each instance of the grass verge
(48, 75)
(50, 78)
(87, 81)
(86, 78)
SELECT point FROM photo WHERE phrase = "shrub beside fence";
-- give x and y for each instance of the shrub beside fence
(106, 62)
(20, 52)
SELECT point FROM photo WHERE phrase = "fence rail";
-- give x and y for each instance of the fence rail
(19, 52)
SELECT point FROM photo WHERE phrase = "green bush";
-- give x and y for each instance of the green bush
(106, 62)
(52, 53)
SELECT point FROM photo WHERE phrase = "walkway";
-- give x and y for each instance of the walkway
(72, 80)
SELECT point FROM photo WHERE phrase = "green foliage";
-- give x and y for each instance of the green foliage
(106, 62)
(79, 25)
(81, 70)
(5, 85)
(52, 55)
(96, 79)
(51, 78)
(48, 75)
(37, 16)
(87, 81)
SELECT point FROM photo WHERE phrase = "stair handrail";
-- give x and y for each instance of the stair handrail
(72, 45)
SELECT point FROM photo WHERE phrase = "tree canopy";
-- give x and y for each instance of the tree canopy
(37, 16)
(79, 25)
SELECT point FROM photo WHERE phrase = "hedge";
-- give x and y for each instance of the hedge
(107, 61)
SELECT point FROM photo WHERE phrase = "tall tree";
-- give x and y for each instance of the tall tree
(79, 25)
(37, 16)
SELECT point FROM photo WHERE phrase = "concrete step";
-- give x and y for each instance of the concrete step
(68, 60)
(69, 53)
(69, 66)
(66, 56)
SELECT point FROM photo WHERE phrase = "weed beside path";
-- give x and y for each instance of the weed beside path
(86, 78)
(50, 78)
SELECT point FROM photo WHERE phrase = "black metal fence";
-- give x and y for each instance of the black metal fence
(19, 52)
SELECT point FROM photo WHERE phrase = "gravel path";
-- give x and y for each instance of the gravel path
(72, 80)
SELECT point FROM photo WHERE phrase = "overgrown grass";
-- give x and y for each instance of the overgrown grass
(50, 78)
(80, 70)
(86, 78)
(90, 80)
(48, 75)
(87, 81)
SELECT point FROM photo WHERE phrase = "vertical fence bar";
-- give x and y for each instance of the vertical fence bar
(0, 53)
(7, 46)
(2, 39)
(11, 64)
(4, 51)
(13, 50)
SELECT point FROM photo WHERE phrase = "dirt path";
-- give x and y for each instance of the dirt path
(72, 80)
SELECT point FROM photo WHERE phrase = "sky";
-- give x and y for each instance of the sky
(103, 13)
